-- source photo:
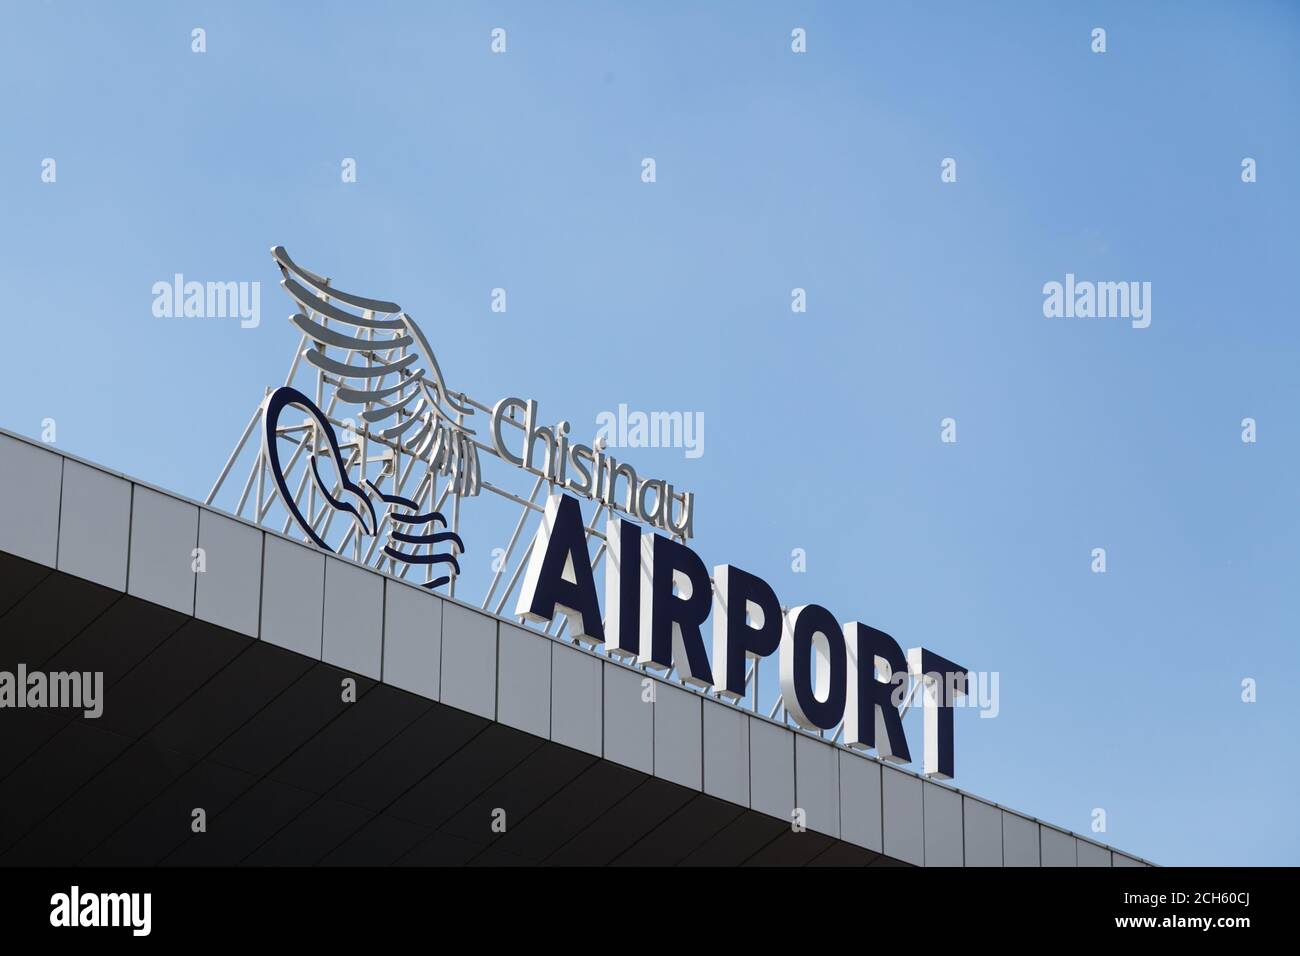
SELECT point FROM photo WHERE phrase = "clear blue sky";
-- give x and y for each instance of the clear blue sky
(775, 170)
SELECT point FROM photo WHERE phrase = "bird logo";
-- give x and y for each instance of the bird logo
(376, 363)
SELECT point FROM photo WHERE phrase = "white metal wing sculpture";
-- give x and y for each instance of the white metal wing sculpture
(398, 384)
(377, 381)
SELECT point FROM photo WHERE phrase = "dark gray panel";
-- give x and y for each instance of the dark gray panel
(118, 640)
(22, 732)
(166, 822)
(502, 859)
(381, 842)
(169, 675)
(17, 578)
(464, 775)
(242, 827)
(30, 633)
(791, 849)
(840, 853)
(519, 793)
(289, 721)
(348, 741)
(304, 841)
(42, 782)
(739, 841)
(440, 849)
(567, 813)
(623, 824)
(682, 833)
(408, 757)
(230, 699)
(107, 801)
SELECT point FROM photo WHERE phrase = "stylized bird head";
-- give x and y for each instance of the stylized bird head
(349, 497)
